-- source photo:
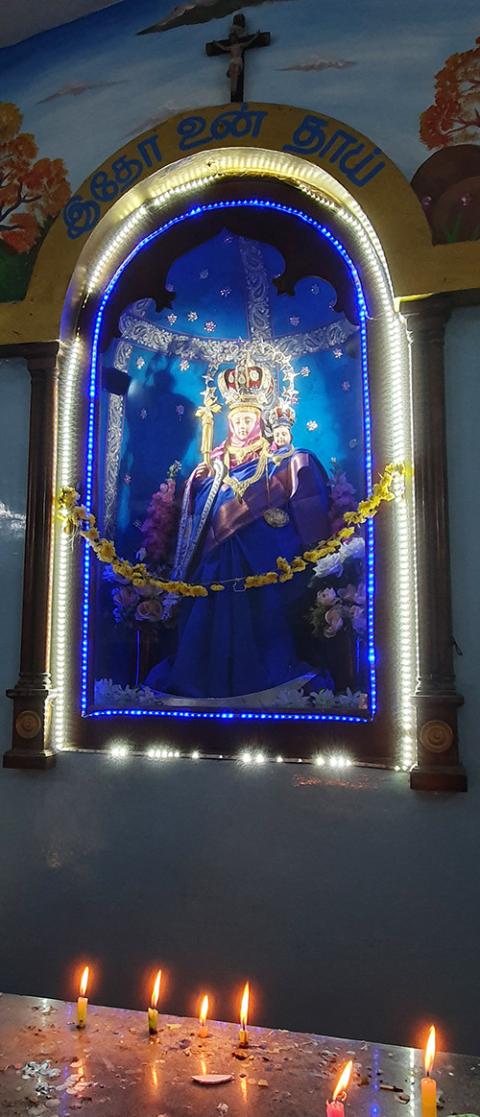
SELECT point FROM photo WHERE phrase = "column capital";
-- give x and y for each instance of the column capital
(43, 352)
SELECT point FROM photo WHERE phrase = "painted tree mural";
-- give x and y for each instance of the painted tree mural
(454, 117)
(448, 182)
(32, 192)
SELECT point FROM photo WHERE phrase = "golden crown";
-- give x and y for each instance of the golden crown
(247, 385)
(281, 414)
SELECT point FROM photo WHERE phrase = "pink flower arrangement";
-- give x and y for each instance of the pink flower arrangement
(342, 496)
(161, 522)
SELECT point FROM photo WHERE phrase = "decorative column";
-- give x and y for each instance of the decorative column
(32, 693)
(436, 699)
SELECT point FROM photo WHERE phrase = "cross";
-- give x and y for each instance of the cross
(236, 45)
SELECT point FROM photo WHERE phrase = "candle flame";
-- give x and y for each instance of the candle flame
(244, 1005)
(84, 981)
(430, 1049)
(343, 1080)
(204, 1011)
(156, 990)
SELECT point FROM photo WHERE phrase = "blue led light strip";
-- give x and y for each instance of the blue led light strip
(226, 715)
(196, 211)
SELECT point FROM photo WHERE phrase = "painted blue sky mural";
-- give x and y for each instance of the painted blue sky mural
(86, 87)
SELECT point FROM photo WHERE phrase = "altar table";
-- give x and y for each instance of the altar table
(113, 1069)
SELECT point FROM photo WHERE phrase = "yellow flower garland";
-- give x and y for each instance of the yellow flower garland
(78, 521)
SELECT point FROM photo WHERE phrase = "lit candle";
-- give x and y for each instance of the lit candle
(428, 1086)
(153, 1011)
(203, 1030)
(336, 1107)
(82, 1002)
(243, 1040)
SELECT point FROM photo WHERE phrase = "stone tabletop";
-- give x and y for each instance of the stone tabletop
(113, 1069)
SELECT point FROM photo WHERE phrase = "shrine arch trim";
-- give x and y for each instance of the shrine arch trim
(327, 153)
(108, 250)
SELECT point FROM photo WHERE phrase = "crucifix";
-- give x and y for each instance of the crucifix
(236, 45)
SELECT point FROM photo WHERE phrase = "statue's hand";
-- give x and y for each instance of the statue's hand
(202, 471)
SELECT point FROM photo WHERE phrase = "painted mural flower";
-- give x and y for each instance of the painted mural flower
(192, 316)
(312, 425)
(210, 327)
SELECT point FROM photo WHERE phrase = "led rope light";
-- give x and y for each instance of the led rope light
(283, 167)
(194, 212)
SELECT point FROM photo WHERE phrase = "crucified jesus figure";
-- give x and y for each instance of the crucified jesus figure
(235, 46)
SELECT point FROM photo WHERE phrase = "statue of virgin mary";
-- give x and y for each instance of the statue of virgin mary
(253, 501)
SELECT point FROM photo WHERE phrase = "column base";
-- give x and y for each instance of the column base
(435, 777)
(26, 758)
(32, 708)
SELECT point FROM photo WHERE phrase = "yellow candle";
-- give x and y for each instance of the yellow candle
(203, 1030)
(428, 1086)
(82, 1002)
(152, 1012)
(243, 1037)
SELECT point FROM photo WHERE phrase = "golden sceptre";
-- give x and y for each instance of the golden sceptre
(205, 413)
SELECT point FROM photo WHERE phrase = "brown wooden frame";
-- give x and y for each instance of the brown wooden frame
(436, 700)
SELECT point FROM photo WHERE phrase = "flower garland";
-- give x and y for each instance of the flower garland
(78, 521)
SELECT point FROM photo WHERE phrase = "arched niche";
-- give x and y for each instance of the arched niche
(364, 228)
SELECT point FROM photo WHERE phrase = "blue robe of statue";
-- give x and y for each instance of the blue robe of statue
(238, 643)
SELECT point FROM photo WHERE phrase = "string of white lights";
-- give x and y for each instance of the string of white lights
(187, 179)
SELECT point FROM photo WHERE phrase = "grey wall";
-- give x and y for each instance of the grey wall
(351, 902)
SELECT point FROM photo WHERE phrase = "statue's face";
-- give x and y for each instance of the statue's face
(282, 435)
(242, 422)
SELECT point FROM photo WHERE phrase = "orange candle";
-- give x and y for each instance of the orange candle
(336, 1107)
(428, 1086)
(243, 1039)
(82, 1002)
(152, 1010)
(203, 1030)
